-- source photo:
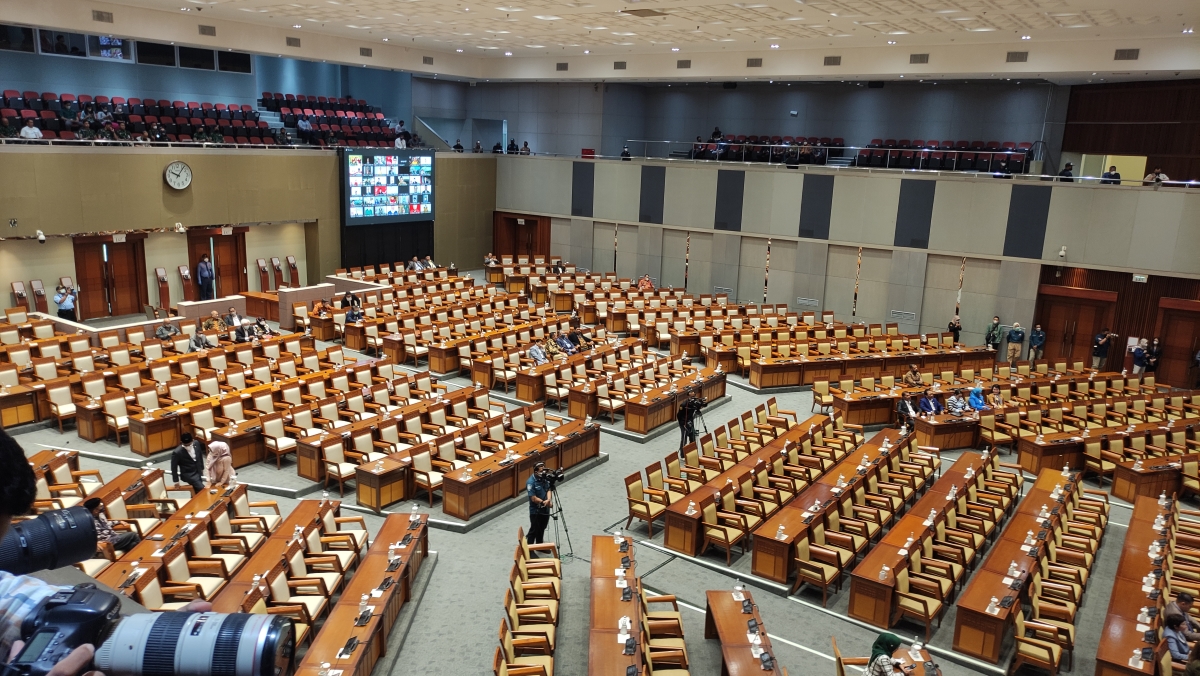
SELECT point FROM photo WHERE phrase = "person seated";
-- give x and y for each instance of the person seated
(349, 300)
(261, 328)
(245, 331)
(644, 283)
(214, 322)
(956, 404)
(490, 259)
(565, 344)
(414, 265)
(120, 132)
(199, 342)
(166, 331)
(428, 263)
(912, 378)
(995, 399)
(121, 541)
(930, 403)
(7, 130)
(880, 663)
(320, 307)
(200, 136)
(106, 132)
(233, 319)
(580, 341)
(537, 353)
(976, 400)
(552, 349)
(906, 410)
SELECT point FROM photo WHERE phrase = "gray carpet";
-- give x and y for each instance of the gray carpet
(455, 628)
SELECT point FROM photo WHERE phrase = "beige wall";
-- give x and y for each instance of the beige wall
(25, 260)
(466, 197)
(278, 240)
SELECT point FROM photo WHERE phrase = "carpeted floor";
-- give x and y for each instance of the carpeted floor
(455, 629)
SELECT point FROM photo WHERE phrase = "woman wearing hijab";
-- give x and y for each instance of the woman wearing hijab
(219, 468)
(881, 655)
(976, 399)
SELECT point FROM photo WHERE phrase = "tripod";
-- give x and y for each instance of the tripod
(554, 516)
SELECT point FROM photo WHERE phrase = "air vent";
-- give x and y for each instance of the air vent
(427, 60)
(683, 63)
(102, 17)
(754, 63)
(833, 61)
(560, 66)
(293, 42)
(1017, 57)
(364, 51)
(918, 58)
(902, 316)
(618, 65)
(807, 302)
(644, 13)
(1126, 55)
(210, 31)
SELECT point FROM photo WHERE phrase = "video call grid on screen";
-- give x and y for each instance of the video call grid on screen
(387, 185)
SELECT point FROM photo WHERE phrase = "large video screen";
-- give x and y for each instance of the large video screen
(387, 185)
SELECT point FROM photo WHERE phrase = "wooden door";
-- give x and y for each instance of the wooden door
(123, 267)
(520, 235)
(1071, 318)
(91, 280)
(227, 254)
(1179, 334)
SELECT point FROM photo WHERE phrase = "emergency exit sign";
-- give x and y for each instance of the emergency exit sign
(1140, 278)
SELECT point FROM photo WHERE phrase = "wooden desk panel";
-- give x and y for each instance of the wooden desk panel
(605, 655)
(18, 405)
(159, 433)
(377, 489)
(725, 621)
(946, 432)
(1156, 476)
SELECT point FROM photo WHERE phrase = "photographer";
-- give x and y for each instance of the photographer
(21, 594)
(1100, 345)
(538, 487)
(64, 298)
(686, 417)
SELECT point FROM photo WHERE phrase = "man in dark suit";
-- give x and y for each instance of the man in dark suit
(245, 332)
(187, 462)
(233, 319)
(906, 410)
(930, 403)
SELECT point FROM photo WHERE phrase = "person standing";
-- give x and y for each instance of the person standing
(1140, 357)
(1016, 336)
(993, 334)
(1066, 176)
(1037, 342)
(1155, 177)
(187, 461)
(64, 298)
(537, 487)
(955, 327)
(1153, 353)
(204, 277)
(219, 468)
(1100, 345)
(1111, 177)
(458, 146)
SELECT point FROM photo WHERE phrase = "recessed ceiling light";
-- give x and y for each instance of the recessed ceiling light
(508, 53)
(296, 25)
(1187, 31)
(536, 46)
(385, 39)
(674, 49)
(185, 9)
(891, 42)
(459, 51)
(547, 17)
(1026, 37)
(587, 51)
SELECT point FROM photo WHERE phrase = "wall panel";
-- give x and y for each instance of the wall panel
(771, 204)
(700, 271)
(690, 197)
(752, 267)
(627, 250)
(604, 247)
(970, 216)
(674, 244)
(864, 209)
(782, 275)
(618, 191)
(650, 252)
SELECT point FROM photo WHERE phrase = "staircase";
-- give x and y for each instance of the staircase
(270, 117)
(838, 162)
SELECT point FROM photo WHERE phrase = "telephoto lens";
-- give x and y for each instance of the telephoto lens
(53, 539)
(199, 644)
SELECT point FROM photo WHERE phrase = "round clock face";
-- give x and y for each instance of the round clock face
(178, 175)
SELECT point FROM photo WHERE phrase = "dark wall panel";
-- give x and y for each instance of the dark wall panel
(583, 188)
(815, 206)
(654, 187)
(373, 244)
(1028, 209)
(730, 187)
(914, 213)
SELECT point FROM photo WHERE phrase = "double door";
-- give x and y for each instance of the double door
(1179, 335)
(1071, 318)
(111, 276)
(226, 248)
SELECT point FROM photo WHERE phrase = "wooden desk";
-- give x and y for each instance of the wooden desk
(947, 431)
(304, 514)
(18, 405)
(605, 654)
(867, 408)
(687, 341)
(159, 433)
(725, 621)
(1157, 475)
(355, 335)
(572, 443)
(378, 488)
(322, 326)
(393, 348)
(272, 555)
(245, 442)
(661, 406)
(918, 668)
(262, 304)
(978, 632)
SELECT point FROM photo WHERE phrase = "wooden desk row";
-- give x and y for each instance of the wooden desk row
(606, 655)
(444, 352)
(1068, 448)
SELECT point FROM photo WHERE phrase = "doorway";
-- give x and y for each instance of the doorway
(520, 235)
(1178, 330)
(226, 248)
(111, 276)
(1071, 317)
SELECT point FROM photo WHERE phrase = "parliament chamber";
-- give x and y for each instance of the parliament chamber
(322, 331)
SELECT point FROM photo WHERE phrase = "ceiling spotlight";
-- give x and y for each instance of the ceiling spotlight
(508, 53)
(296, 25)
(891, 42)
(1187, 31)
(587, 51)
(774, 46)
(459, 51)
(1026, 37)
(385, 39)
(674, 49)
(185, 9)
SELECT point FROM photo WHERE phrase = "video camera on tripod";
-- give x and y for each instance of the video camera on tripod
(150, 644)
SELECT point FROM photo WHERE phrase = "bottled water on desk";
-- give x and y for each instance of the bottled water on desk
(883, 572)
(362, 604)
(617, 537)
(391, 552)
(993, 605)
(413, 516)
(914, 652)
(324, 497)
(1012, 569)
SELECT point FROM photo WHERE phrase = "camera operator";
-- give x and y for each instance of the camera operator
(686, 417)
(65, 297)
(538, 487)
(21, 594)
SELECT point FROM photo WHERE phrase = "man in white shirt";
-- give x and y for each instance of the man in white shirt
(400, 142)
(1156, 176)
(30, 131)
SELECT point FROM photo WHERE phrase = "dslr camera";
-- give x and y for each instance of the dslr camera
(150, 644)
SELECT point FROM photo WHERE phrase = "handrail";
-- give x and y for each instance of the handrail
(129, 143)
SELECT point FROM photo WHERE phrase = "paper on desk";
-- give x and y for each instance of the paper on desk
(377, 593)
(1007, 581)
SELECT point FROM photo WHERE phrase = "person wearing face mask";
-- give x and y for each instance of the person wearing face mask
(1153, 352)
(1140, 357)
(1016, 336)
(955, 327)
(1037, 342)
(994, 334)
